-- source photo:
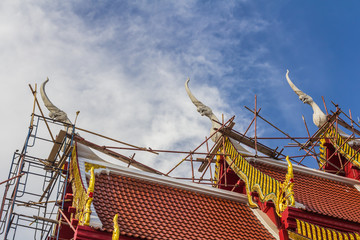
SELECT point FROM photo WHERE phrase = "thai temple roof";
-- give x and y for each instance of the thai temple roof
(255, 197)
(157, 207)
(253, 191)
(151, 206)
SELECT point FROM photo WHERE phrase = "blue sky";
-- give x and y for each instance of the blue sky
(123, 64)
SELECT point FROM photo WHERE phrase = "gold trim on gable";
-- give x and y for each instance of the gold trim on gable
(296, 236)
(267, 187)
(343, 147)
(88, 166)
(307, 230)
(322, 156)
(116, 231)
(78, 190)
(90, 193)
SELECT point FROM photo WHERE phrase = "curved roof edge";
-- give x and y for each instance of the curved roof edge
(306, 170)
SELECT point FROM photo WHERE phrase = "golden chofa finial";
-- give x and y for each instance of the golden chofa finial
(285, 196)
(90, 194)
(116, 231)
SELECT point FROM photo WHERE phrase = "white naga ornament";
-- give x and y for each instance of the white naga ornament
(205, 111)
(54, 112)
(319, 118)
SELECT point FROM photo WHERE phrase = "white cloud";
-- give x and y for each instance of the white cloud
(121, 66)
(124, 67)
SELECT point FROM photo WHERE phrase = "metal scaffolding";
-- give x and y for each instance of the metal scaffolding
(35, 186)
(34, 190)
(308, 147)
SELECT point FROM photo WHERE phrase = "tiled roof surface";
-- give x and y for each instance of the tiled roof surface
(153, 211)
(320, 195)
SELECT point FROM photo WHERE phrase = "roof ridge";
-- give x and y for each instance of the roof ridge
(169, 181)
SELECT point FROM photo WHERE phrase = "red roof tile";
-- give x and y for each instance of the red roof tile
(152, 210)
(318, 194)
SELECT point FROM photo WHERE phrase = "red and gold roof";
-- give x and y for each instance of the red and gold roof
(157, 207)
